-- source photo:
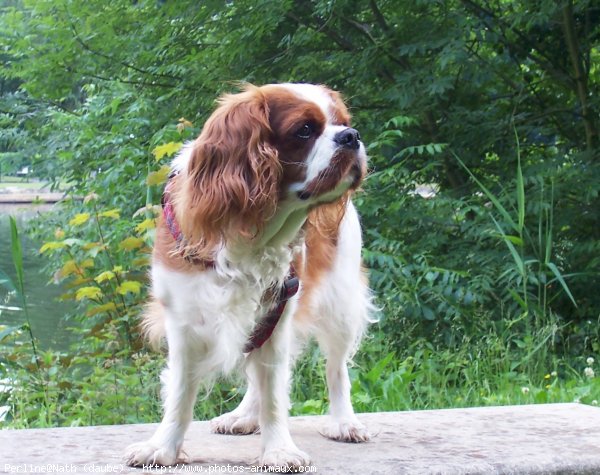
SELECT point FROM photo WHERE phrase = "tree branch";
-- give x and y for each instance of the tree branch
(541, 58)
(118, 79)
(323, 28)
(379, 16)
(363, 31)
(111, 58)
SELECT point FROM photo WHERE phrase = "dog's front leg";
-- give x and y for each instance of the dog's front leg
(180, 386)
(271, 366)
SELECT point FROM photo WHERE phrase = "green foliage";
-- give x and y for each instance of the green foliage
(486, 267)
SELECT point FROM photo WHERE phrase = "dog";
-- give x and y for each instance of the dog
(257, 206)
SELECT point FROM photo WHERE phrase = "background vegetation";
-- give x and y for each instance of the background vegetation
(488, 287)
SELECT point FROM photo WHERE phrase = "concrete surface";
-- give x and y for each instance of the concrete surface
(541, 439)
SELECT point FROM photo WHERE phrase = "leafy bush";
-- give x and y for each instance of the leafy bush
(486, 273)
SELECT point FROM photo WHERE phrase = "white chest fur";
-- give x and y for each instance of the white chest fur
(216, 309)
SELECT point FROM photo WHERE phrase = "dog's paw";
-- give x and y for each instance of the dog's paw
(149, 454)
(284, 459)
(346, 431)
(232, 423)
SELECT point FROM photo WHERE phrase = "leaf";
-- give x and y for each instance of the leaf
(130, 243)
(182, 124)
(52, 245)
(114, 105)
(96, 309)
(520, 186)
(167, 149)
(129, 286)
(111, 213)
(88, 293)
(87, 263)
(140, 262)
(560, 278)
(518, 299)
(104, 276)
(77, 281)
(6, 331)
(90, 197)
(148, 223)
(490, 196)
(517, 258)
(516, 240)
(17, 258)
(79, 219)
(376, 371)
(159, 176)
(68, 268)
(428, 313)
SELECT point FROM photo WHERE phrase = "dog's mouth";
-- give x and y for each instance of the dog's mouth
(345, 172)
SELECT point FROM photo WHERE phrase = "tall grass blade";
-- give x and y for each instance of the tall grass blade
(549, 226)
(17, 258)
(516, 256)
(518, 299)
(538, 347)
(560, 278)
(491, 197)
(520, 186)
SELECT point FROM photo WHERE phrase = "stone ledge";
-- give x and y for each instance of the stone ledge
(539, 439)
(28, 197)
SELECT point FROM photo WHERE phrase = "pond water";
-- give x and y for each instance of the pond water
(46, 313)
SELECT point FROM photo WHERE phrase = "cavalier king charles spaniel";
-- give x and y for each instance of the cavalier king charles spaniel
(259, 201)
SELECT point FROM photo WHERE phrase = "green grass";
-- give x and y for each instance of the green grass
(478, 375)
(487, 372)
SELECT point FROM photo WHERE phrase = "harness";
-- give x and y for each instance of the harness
(264, 328)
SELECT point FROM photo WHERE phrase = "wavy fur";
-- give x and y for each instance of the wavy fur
(231, 186)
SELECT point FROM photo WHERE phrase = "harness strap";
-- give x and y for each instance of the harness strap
(171, 221)
(265, 327)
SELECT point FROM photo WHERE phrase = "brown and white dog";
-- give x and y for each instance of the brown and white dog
(267, 184)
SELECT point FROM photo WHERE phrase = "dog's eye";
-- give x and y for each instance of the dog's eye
(305, 131)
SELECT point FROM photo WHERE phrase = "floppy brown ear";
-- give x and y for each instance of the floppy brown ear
(233, 176)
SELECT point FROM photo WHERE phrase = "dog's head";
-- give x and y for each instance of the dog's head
(267, 145)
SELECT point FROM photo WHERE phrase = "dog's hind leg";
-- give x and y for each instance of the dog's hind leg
(343, 425)
(244, 418)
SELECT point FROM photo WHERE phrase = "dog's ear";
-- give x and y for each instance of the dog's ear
(232, 184)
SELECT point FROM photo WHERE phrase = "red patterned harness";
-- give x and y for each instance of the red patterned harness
(265, 327)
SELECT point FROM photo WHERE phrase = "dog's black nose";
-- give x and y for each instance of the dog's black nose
(348, 138)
